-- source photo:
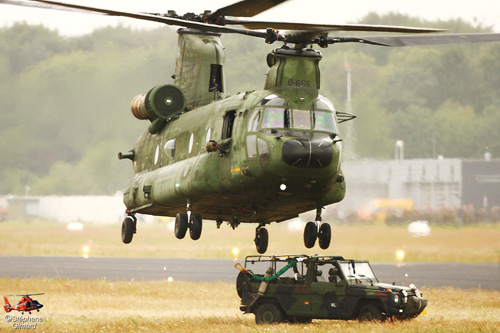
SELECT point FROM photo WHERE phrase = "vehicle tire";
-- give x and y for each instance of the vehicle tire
(261, 240)
(240, 280)
(324, 236)
(310, 234)
(128, 229)
(370, 312)
(269, 313)
(195, 226)
(181, 225)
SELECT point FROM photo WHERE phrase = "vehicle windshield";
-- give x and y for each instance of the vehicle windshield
(360, 272)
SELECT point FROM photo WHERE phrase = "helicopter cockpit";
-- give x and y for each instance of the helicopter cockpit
(308, 134)
(279, 120)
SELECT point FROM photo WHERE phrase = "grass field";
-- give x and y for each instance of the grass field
(379, 243)
(112, 306)
(160, 306)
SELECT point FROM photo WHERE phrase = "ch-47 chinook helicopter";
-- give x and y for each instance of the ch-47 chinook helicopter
(256, 157)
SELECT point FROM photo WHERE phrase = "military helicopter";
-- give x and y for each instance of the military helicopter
(26, 304)
(259, 156)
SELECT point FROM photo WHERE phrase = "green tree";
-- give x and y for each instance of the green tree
(454, 128)
(371, 128)
(415, 128)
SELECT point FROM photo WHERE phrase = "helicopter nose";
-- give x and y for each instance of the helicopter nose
(304, 153)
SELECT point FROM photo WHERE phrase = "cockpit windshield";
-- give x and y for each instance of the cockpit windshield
(279, 119)
(276, 118)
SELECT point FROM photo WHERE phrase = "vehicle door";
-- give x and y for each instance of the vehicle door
(328, 292)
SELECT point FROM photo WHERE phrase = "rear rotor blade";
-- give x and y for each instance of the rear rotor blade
(419, 40)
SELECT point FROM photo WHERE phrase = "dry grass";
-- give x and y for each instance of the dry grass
(100, 305)
(474, 244)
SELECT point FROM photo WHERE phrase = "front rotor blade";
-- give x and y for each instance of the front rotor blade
(28, 3)
(246, 8)
(438, 39)
(141, 16)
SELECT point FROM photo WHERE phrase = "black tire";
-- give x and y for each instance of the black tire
(128, 229)
(195, 226)
(310, 234)
(240, 280)
(324, 236)
(370, 312)
(181, 225)
(269, 313)
(261, 240)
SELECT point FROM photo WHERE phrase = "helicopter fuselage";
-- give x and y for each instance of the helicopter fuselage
(276, 159)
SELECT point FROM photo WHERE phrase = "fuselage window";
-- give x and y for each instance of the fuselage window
(170, 148)
(191, 141)
(157, 153)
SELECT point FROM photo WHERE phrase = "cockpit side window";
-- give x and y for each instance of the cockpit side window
(324, 104)
(253, 122)
(324, 121)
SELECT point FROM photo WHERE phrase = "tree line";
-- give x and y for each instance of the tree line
(65, 100)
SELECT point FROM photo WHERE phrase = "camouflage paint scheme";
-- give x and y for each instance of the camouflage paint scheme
(242, 180)
(305, 297)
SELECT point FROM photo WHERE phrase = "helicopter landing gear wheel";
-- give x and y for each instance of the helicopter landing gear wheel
(128, 228)
(181, 225)
(261, 239)
(324, 236)
(310, 234)
(195, 226)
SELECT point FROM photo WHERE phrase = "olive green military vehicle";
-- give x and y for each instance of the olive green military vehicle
(299, 288)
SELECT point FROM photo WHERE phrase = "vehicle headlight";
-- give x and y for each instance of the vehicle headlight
(396, 298)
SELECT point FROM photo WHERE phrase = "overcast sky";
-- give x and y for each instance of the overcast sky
(485, 12)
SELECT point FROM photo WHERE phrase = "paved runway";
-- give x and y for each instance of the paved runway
(486, 276)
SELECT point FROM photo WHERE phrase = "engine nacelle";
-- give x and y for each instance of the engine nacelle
(161, 102)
